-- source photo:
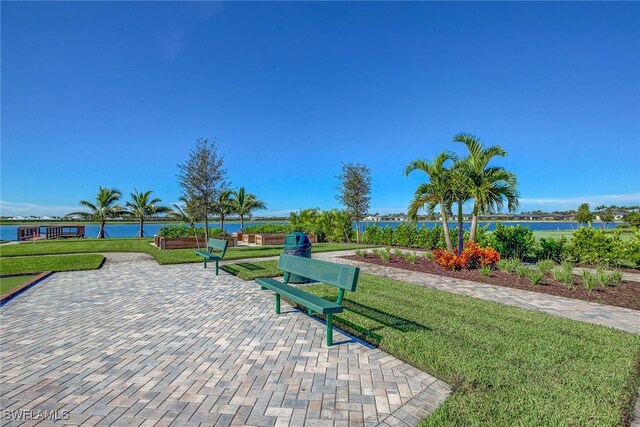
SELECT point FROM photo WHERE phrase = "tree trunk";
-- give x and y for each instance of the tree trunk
(222, 222)
(242, 223)
(141, 232)
(206, 228)
(474, 224)
(460, 229)
(357, 232)
(445, 227)
(101, 231)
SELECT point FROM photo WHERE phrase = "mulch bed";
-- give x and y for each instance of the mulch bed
(624, 294)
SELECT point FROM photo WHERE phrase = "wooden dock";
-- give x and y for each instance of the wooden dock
(48, 232)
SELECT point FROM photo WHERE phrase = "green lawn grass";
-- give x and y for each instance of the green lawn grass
(505, 363)
(508, 366)
(253, 270)
(175, 256)
(32, 264)
(8, 283)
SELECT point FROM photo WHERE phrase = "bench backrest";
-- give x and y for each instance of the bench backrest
(218, 245)
(338, 275)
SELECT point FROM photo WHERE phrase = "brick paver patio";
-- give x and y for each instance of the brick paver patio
(136, 343)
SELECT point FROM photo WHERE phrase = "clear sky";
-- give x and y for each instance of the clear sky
(115, 94)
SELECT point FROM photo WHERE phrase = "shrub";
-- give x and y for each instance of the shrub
(603, 278)
(590, 280)
(591, 246)
(616, 276)
(175, 231)
(522, 271)
(535, 276)
(411, 257)
(385, 254)
(509, 265)
(564, 274)
(405, 235)
(473, 256)
(268, 228)
(398, 253)
(428, 256)
(512, 242)
(553, 249)
(485, 270)
(361, 253)
(630, 250)
(545, 266)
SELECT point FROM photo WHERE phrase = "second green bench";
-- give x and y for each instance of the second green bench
(214, 245)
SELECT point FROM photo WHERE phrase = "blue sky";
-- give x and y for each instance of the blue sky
(115, 94)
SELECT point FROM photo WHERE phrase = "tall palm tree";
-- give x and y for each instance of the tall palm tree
(105, 207)
(142, 206)
(488, 186)
(244, 204)
(459, 186)
(435, 192)
(223, 205)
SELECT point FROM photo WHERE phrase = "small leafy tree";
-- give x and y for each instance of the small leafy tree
(584, 215)
(202, 178)
(633, 218)
(607, 216)
(142, 206)
(512, 242)
(355, 192)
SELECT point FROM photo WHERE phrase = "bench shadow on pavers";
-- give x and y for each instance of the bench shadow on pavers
(343, 277)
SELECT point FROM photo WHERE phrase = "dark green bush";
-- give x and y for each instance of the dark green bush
(631, 249)
(175, 231)
(591, 246)
(553, 249)
(269, 228)
(405, 235)
(512, 242)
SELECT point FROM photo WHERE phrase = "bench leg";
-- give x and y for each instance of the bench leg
(277, 303)
(216, 267)
(205, 263)
(329, 329)
(310, 312)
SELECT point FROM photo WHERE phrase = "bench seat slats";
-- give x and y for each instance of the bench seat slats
(214, 244)
(314, 302)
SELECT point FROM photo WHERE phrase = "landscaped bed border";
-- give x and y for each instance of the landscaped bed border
(626, 294)
(12, 293)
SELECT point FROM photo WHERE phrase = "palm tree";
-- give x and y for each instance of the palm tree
(459, 187)
(487, 186)
(142, 206)
(186, 212)
(105, 207)
(244, 204)
(435, 192)
(223, 205)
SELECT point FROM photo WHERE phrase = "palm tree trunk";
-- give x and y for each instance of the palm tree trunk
(460, 230)
(101, 230)
(474, 224)
(141, 232)
(222, 222)
(242, 223)
(445, 228)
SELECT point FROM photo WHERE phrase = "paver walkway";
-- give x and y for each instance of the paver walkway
(135, 343)
(585, 311)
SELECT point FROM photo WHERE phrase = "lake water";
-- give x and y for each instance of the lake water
(9, 232)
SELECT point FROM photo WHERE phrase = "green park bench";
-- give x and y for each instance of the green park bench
(343, 277)
(214, 245)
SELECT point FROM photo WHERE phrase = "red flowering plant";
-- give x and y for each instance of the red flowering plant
(473, 256)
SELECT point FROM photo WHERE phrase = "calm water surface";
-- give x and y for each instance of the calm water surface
(9, 232)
